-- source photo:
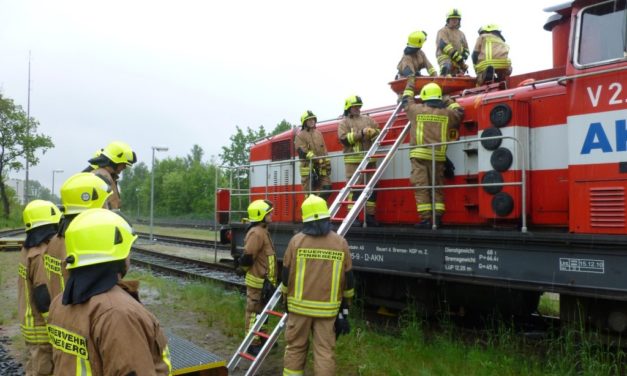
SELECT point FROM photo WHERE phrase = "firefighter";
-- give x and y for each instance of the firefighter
(259, 262)
(451, 46)
(80, 192)
(490, 56)
(315, 168)
(114, 158)
(96, 327)
(40, 220)
(414, 60)
(356, 133)
(317, 284)
(431, 123)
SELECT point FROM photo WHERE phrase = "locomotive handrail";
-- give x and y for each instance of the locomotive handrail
(562, 80)
(245, 192)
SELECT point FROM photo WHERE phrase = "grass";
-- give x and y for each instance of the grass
(411, 348)
(408, 346)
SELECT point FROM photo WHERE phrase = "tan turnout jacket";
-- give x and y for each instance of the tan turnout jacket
(430, 125)
(31, 274)
(311, 140)
(110, 334)
(258, 244)
(317, 265)
(410, 66)
(54, 261)
(114, 201)
(492, 51)
(354, 141)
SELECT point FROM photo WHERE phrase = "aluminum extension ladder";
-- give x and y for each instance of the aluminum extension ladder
(379, 149)
(241, 352)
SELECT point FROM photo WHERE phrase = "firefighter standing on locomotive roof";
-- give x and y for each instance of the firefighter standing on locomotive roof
(114, 158)
(356, 133)
(80, 192)
(451, 46)
(430, 124)
(96, 327)
(259, 262)
(315, 172)
(490, 55)
(317, 282)
(414, 60)
(40, 220)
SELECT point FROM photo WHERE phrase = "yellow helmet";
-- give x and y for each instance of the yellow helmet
(314, 208)
(353, 100)
(97, 236)
(488, 28)
(39, 213)
(119, 152)
(453, 13)
(258, 209)
(431, 91)
(416, 39)
(84, 191)
(306, 116)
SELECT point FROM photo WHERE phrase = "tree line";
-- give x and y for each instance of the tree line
(184, 187)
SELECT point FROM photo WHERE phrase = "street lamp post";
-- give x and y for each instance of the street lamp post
(53, 173)
(152, 187)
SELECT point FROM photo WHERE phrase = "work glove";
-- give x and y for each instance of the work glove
(465, 54)
(310, 154)
(342, 326)
(370, 133)
(267, 291)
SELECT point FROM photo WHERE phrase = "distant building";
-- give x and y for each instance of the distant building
(18, 186)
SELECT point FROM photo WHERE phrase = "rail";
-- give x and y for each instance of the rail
(241, 195)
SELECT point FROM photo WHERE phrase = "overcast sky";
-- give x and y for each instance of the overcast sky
(178, 73)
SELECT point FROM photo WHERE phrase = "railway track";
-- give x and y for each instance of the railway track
(187, 268)
(201, 243)
(11, 239)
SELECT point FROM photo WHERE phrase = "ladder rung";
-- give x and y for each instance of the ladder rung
(262, 334)
(247, 356)
(397, 127)
(275, 313)
(368, 170)
(387, 142)
(378, 155)
(358, 186)
(347, 202)
(337, 219)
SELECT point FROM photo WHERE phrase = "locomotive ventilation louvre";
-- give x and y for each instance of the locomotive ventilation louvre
(607, 207)
(281, 150)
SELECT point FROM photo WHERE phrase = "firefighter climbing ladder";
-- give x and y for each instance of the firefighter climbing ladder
(379, 149)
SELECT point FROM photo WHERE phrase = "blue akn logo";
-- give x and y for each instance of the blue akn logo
(597, 139)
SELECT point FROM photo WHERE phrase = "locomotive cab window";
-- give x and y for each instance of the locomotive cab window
(602, 34)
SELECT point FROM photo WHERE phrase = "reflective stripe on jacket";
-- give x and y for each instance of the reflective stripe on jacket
(349, 132)
(110, 334)
(454, 40)
(430, 125)
(492, 51)
(54, 262)
(317, 266)
(31, 273)
(259, 245)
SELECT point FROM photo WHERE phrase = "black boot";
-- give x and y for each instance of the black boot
(371, 221)
(425, 224)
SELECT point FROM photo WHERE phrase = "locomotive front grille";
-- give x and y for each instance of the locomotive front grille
(607, 207)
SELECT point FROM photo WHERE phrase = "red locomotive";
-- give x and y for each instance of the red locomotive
(538, 202)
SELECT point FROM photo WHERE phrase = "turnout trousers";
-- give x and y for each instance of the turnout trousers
(297, 333)
(253, 308)
(38, 359)
(421, 172)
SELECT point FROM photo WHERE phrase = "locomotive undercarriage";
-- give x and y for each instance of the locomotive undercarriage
(470, 271)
